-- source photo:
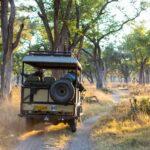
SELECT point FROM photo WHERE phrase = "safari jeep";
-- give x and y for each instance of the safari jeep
(48, 96)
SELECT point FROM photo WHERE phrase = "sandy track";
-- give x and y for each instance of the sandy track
(82, 140)
(32, 143)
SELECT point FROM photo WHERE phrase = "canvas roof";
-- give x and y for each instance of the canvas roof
(52, 61)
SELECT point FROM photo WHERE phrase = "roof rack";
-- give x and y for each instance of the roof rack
(51, 53)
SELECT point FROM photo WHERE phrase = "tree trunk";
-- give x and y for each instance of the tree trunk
(99, 75)
(147, 75)
(8, 44)
(6, 76)
(89, 76)
(18, 79)
(99, 66)
(126, 79)
(141, 74)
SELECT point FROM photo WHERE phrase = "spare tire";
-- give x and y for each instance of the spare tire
(62, 91)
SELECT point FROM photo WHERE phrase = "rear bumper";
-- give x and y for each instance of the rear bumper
(49, 117)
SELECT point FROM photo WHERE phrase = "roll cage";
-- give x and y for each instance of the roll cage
(51, 60)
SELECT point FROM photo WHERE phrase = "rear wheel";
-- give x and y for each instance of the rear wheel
(30, 122)
(73, 125)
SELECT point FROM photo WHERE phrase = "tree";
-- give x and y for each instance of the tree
(99, 33)
(9, 44)
(17, 64)
(69, 21)
(138, 44)
(118, 61)
(86, 61)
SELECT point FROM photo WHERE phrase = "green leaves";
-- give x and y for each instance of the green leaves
(138, 44)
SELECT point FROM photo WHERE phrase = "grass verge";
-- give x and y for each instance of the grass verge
(96, 101)
(122, 131)
(10, 124)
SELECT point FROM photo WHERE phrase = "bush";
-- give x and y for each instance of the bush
(144, 105)
(106, 91)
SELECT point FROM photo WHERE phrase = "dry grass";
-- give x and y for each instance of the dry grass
(134, 89)
(54, 135)
(95, 107)
(140, 92)
(110, 133)
(101, 95)
(119, 131)
(57, 136)
(10, 124)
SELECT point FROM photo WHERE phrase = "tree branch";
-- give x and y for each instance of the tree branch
(87, 52)
(44, 18)
(4, 24)
(12, 13)
(56, 22)
(15, 44)
(77, 20)
(67, 14)
(65, 29)
(91, 39)
(68, 9)
(101, 12)
(87, 26)
(11, 24)
(120, 26)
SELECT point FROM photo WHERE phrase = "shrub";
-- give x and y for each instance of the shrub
(144, 105)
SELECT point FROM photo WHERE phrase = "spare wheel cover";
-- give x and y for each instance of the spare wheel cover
(62, 91)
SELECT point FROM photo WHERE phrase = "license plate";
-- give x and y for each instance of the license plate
(40, 108)
(53, 108)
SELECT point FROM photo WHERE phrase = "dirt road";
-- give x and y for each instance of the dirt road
(32, 143)
(81, 141)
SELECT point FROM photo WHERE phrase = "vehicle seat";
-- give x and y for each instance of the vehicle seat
(49, 80)
(32, 79)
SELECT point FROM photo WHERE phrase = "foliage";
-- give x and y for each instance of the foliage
(137, 43)
(117, 61)
(17, 66)
(144, 105)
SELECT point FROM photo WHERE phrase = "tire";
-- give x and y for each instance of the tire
(30, 123)
(62, 91)
(55, 123)
(79, 111)
(73, 125)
